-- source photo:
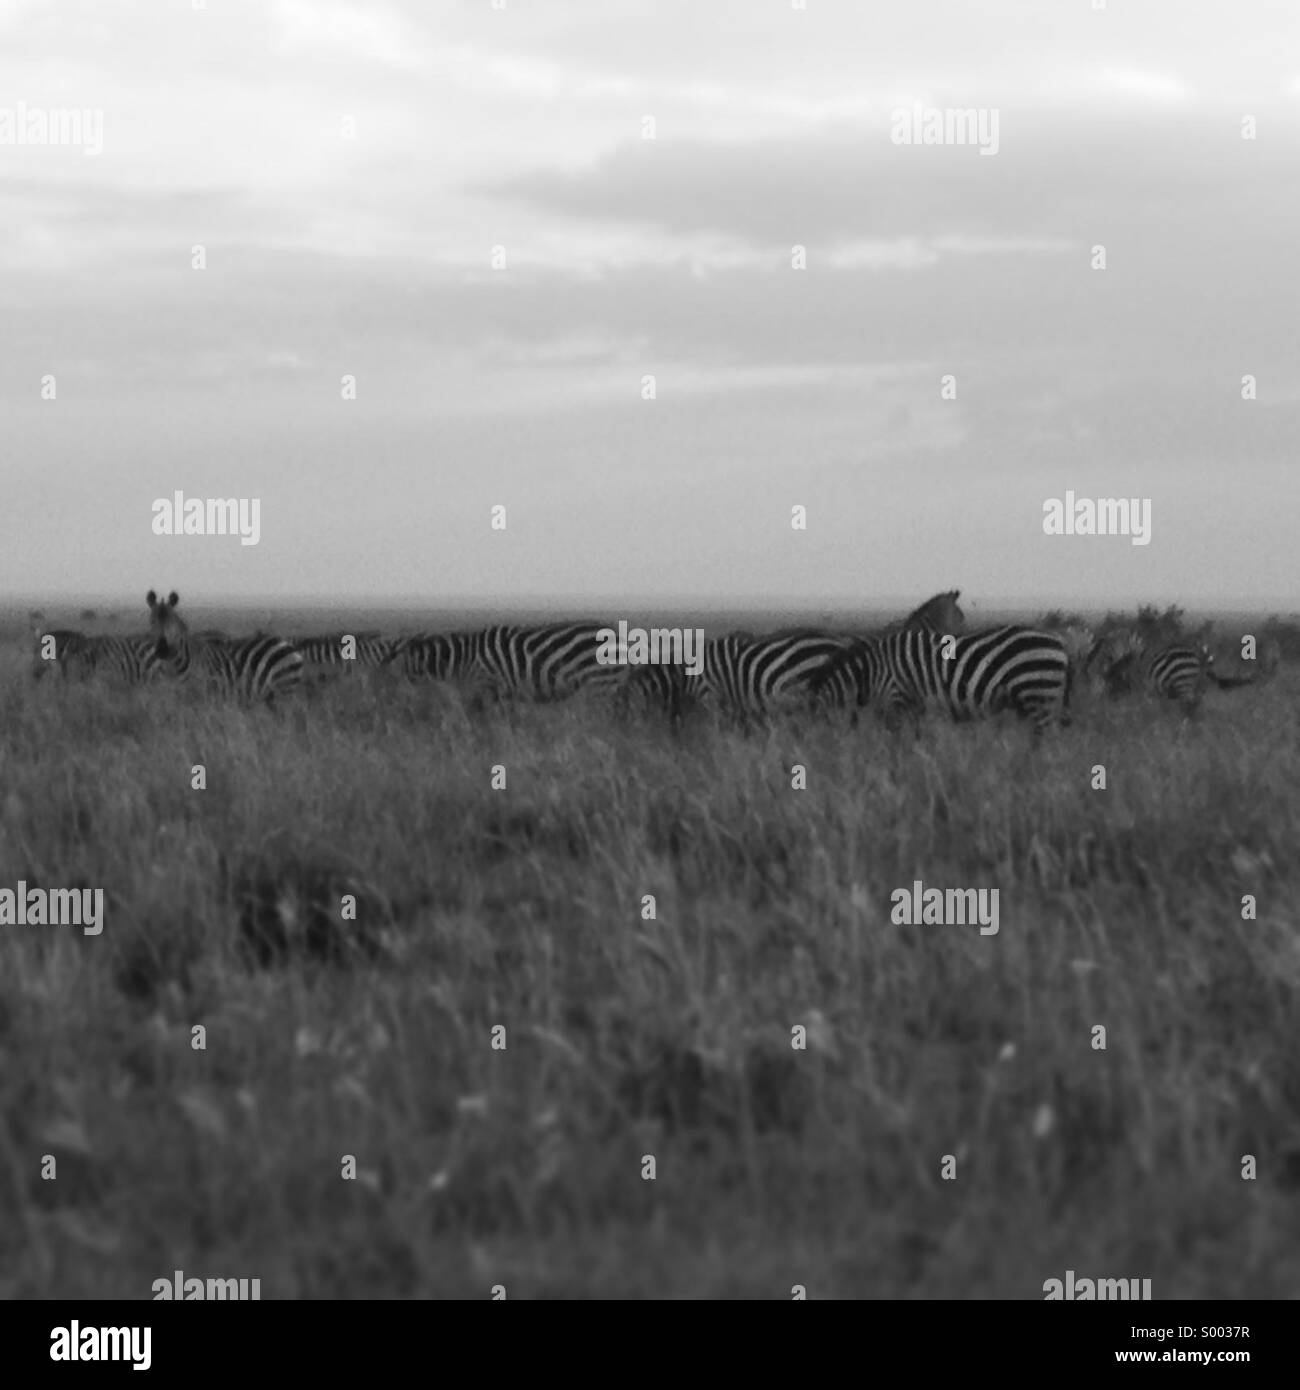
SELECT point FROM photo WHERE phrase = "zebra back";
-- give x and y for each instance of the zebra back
(442, 656)
(1010, 667)
(754, 675)
(941, 614)
(53, 649)
(130, 660)
(549, 662)
(1179, 672)
(346, 651)
(1176, 671)
(544, 663)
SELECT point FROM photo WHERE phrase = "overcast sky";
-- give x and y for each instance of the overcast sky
(523, 128)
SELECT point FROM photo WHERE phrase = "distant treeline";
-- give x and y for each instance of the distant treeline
(1155, 627)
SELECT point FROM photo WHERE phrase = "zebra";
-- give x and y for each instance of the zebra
(543, 663)
(666, 687)
(130, 660)
(252, 668)
(54, 649)
(367, 650)
(1176, 671)
(442, 656)
(941, 614)
(1009, 667)
(751, 675)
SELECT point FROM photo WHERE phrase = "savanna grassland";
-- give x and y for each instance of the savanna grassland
(626, 1037)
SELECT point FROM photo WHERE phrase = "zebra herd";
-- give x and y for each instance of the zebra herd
(926, 661)
(251, 668)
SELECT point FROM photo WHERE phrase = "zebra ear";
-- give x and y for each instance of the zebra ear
(151, 598)
(173, 599)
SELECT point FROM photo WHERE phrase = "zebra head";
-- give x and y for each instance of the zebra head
(166, 626)
(938, 614)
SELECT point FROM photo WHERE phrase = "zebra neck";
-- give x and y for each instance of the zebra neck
(183, 658)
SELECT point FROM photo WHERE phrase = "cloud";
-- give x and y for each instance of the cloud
(1050, 180)
(370, 32)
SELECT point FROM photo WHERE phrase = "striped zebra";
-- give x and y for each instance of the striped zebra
(1177, 671)
(251, 668)
(345, 651)
(540, 663)
(904, 672)
(665, 688)
(941, 614)
(441, 656)
(52, 650)
(129, 660)
(752, 675)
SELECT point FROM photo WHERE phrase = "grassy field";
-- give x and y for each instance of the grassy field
(628, 1037)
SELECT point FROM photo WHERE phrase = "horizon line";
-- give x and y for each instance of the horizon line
(764, 604)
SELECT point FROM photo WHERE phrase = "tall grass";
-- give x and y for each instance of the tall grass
(627, 1037)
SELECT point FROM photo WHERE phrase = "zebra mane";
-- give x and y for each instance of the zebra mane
(945, 600)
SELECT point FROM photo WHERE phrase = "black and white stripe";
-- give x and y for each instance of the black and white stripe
(542, 663)
(941, 614)
(249, 668)
(748, 675)
(664, 688)
(754, 675)
(1177, 671)
(442, 656)
(128, 660)
(345, 651)
(1009, 667)
(53, 650)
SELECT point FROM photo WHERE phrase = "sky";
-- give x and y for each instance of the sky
(456, 206)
